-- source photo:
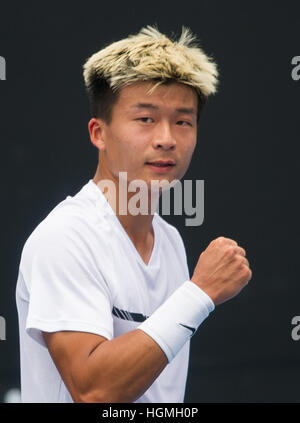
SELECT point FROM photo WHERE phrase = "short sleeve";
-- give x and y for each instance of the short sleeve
(67, 291)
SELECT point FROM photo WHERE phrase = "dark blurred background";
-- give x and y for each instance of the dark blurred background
(247, 154)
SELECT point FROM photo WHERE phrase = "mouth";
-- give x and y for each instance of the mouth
(161, 166)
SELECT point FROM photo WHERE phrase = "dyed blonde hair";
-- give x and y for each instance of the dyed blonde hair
(150, 56)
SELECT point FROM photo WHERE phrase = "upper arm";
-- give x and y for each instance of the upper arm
(66, 290)
(70, 351)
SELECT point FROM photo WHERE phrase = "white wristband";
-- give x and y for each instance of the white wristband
(178, 318)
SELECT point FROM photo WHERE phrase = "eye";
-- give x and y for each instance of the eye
(184, 123)
(145, 119)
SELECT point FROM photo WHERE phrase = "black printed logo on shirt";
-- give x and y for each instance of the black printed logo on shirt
(127, 315)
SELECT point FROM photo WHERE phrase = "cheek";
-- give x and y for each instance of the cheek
(128, 152)
(188, 149)
(186, 156)
(133, 145)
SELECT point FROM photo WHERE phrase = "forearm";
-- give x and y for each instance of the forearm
(122, 369)
(126, 366)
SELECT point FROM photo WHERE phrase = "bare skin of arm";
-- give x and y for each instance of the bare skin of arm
(97, 370)
(121, 370)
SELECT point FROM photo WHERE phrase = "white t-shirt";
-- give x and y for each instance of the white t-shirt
(80, 271)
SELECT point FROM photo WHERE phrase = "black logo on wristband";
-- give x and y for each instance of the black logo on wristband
(193, 330)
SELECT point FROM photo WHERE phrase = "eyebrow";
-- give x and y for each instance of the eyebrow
(187, 110)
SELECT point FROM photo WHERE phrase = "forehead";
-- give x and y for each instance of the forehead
(173, 95)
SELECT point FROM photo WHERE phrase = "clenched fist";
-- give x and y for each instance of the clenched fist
(222, 270)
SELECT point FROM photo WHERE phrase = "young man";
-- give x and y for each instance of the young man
(105, 300)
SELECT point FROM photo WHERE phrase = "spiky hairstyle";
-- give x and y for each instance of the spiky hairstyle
(150, 56)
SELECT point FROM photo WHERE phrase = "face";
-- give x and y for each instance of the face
(147, 132)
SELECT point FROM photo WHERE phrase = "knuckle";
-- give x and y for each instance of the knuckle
(239, 259)
(231, 242)
(230, 251)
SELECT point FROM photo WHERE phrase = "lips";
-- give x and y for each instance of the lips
(161, 166)
(162, 163)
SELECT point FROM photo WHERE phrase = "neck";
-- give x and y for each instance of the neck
(138, 226)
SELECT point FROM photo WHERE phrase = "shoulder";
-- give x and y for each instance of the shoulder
(72, 225)
(166, 227)
(169, 232)
(174, 250)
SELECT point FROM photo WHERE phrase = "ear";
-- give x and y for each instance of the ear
(97, 133)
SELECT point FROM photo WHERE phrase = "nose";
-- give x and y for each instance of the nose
(163, 137)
